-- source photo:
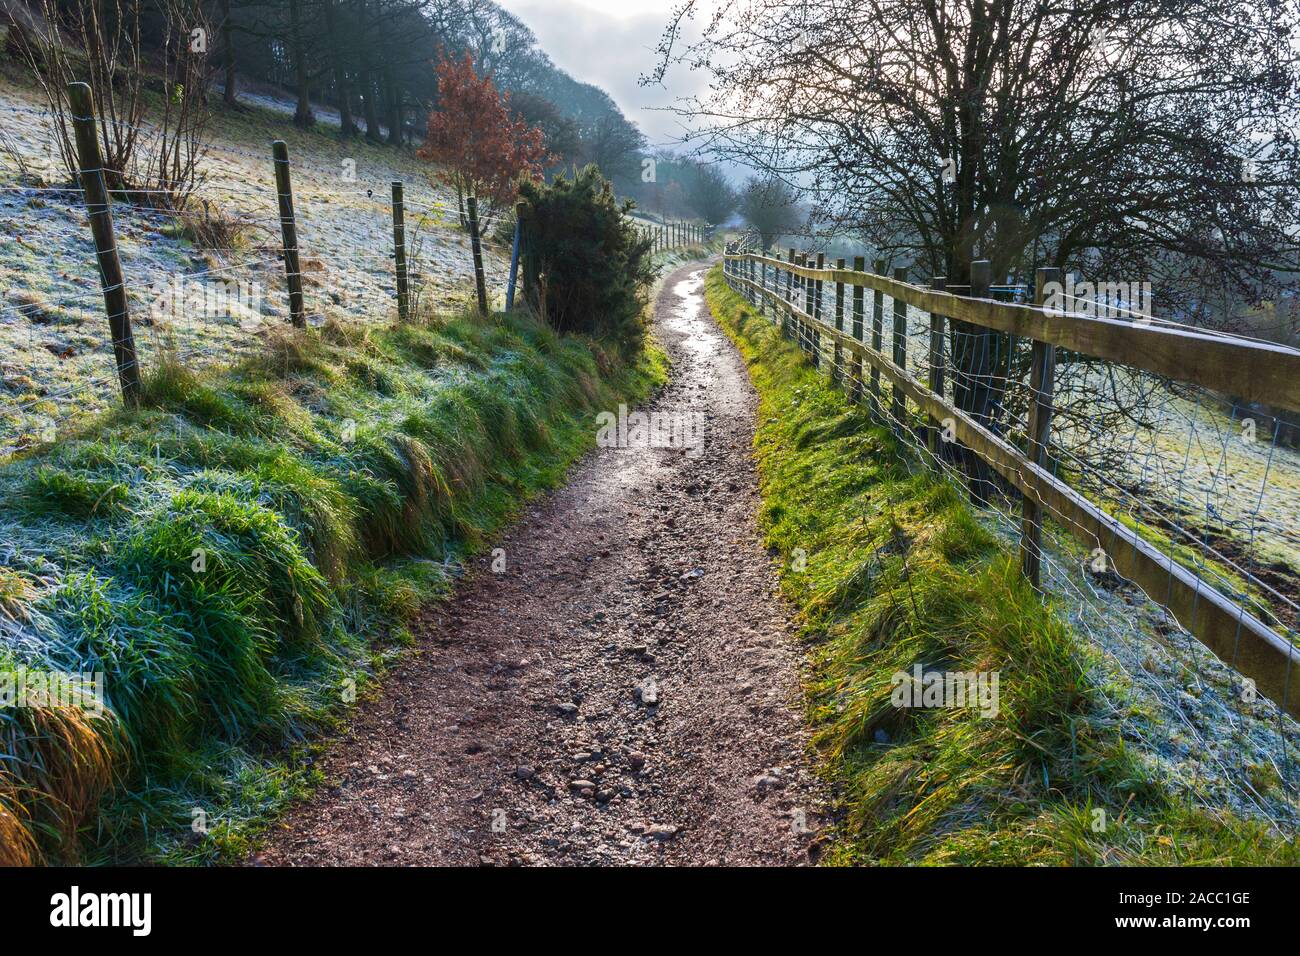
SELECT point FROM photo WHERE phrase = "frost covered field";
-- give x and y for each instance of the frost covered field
(203, 304)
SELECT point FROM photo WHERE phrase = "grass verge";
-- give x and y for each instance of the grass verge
(890, 570)
(241, 556)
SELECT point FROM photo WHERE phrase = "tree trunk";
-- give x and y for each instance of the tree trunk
(342, 87)
(347, 123)
(302, 115)
(369, 110)
(394, 109)
(366, 76)
(228, 53)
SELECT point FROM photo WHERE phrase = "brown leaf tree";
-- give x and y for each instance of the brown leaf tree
(482, 145)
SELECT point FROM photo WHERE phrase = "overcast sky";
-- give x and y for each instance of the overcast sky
(611, 43)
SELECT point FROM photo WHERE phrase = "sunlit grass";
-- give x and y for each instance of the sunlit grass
(890, 569)
(242, 554)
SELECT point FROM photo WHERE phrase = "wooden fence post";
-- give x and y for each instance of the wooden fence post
(877, 340)
(786, 317)
(1042, 383)
(289, 233)
(514, 256)
(817, 315)
(399, 253)
(837, 374)
(798, 302)
(978, 373)
(806, 302)
(938, 284)
(100, 212)
(859, 301)
(900, 351)
(480, 284)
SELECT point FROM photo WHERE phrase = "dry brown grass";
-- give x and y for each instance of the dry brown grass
(67, 756)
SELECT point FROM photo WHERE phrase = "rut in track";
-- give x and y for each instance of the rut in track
(524, 731)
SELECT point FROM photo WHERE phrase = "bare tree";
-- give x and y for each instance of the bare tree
(153, 154)
(710, 192)
(1137, 140)
(770, 206)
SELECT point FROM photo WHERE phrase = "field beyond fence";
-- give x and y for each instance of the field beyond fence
(1113, 452)
(105, 285)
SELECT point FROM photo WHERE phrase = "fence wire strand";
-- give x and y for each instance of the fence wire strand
(1170, 468)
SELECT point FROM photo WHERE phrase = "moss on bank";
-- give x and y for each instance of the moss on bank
(240, 557)
(890, 570)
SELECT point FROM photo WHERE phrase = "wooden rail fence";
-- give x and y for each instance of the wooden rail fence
(1252, 371)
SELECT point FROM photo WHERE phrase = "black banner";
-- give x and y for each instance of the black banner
(144, 906)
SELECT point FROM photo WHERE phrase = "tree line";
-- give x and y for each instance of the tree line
(372, 61)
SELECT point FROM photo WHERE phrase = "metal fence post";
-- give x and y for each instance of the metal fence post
(514, 255)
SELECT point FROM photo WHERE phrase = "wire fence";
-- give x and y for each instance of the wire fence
(673, 233)
(207, 281)
(1200, 477)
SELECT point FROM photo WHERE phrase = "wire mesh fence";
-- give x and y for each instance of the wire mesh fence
(205, 280)
(1201, 476)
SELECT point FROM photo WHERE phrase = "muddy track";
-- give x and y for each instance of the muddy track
(625, 691)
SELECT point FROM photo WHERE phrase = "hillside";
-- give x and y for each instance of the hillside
(54, 337)
(332, 480)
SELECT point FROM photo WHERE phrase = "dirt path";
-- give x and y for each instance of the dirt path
(626, 692)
